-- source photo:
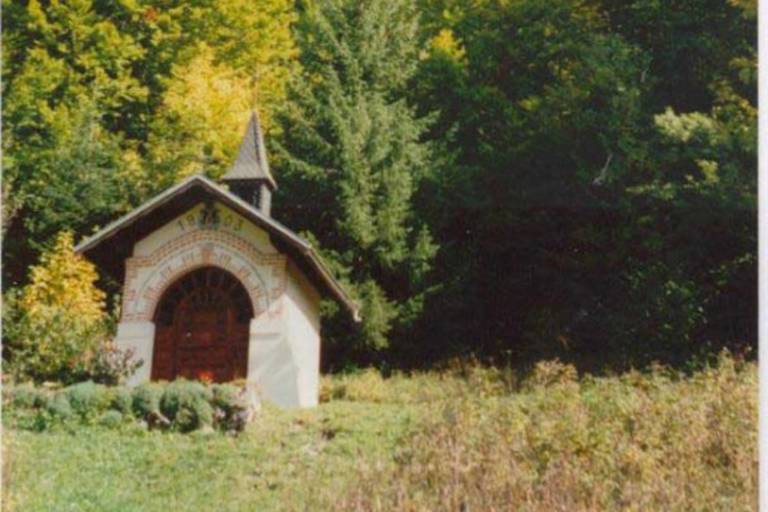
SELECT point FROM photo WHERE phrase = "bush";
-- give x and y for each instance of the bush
(225, 396)
(49, 345)
(59, 407)
(27, 396)
(187, 404)
(365, 386)
(550, 373)
(109, 364)
(646, 442)
(230, 407)
(111, 419)
(88, 399)
(146, 399)
(181, 405)
(122, 401)
(51, 325)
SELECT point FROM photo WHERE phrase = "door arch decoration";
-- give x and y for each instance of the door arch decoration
(147, 276)
(201, 327)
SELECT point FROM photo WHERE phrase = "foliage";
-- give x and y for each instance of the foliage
(110, 364)
(353, 145)
(186, 405)
(181, 406)
(654, 440)
(601, 203)
(57, 319)
(639, 441)
(106, 102)
(111, 419)
(230, 407)
(64, 281)
(146, 399)
(24, 396)
(122, 401)
(87, 399)
(200, 123)
(588, 169)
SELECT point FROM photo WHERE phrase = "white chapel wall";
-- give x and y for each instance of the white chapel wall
(302, 319)
(284, 334)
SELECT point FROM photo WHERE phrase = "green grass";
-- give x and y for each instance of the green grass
(653, 441)
(277, 463)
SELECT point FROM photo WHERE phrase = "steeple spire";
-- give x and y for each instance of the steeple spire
(249, 177)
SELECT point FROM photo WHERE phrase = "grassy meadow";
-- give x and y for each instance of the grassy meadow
(466, 438)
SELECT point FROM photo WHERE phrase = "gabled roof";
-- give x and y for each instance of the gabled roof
(109, 247)
(251, 162)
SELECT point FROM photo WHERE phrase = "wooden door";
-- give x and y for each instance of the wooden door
(202, 328)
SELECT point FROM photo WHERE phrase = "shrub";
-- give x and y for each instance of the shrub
(111, 365)
(225, 396)
(122, 401)
(187, 405)
(111, 419)
(230, 407)
(88, 399)
(365, 386)
(58, 318)
(27, 396)
(327, 388)
(146, 399)
(609, 443)
(59, 407)
(182, 405)
(550, 373)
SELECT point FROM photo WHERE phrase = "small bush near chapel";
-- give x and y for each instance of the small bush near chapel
(146, 399)
(187, 405)
(182, 405)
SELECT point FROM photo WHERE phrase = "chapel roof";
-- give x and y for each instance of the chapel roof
(110, 246)
(251, 162)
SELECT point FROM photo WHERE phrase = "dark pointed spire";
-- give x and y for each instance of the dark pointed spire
(249, 177)
(251, 162)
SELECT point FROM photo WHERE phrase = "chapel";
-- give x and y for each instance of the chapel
(214, 288)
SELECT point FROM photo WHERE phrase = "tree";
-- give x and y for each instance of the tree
(582, 220)
(351, 156)
(58, 319)
(200, 122)
(96, 104)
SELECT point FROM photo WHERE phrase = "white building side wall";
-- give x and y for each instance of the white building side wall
(284, 340)
(302, 318)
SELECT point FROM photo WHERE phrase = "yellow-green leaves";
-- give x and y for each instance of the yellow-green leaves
(66, 282)
(57, 321)
(202, 118)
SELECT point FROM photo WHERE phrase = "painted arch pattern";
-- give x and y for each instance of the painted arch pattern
(147, 277)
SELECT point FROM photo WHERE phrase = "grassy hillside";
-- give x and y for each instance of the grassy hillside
(476, 438)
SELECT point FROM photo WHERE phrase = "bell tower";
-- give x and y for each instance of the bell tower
(249, 177)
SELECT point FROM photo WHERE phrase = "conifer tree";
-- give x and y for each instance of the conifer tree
(352, 155)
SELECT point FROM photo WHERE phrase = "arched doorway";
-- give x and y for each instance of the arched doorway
(201, 328)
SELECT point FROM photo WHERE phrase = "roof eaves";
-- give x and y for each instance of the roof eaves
(135, 214)
(302, 245)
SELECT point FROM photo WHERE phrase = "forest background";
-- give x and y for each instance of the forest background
(512, 179)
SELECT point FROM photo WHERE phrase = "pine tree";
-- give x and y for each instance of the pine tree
(352, 156)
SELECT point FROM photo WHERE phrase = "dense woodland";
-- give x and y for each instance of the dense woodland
(513, 179)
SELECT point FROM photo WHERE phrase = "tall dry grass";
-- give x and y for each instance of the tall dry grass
(641, 441)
